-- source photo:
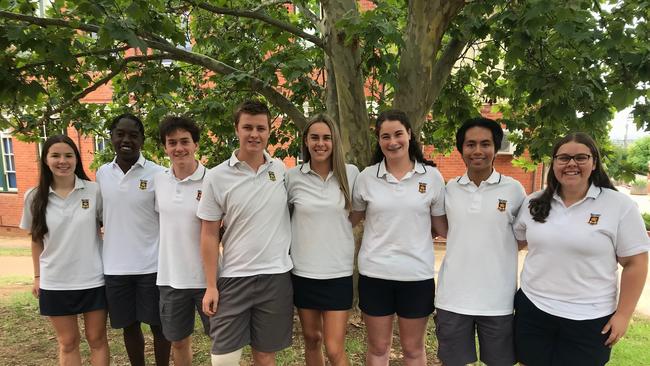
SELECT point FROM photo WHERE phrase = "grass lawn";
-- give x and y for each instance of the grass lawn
(27, 339)
(16, 252)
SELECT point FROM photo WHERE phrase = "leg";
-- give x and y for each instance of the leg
(134, 344)
(380, 338)
(263, 358)
(182, 352)
(95, 325)
(411, 336)
(228, 359)
(67, 336)
(535, 333)
(496, 343)
(161, 346)
(334, 328)
(312, 332)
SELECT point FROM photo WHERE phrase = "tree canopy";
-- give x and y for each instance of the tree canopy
(550, 66)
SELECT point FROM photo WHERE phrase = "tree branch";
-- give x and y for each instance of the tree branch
(313, 18)
(266, 3)
(260, 16)
(82, 54)
(442, 68)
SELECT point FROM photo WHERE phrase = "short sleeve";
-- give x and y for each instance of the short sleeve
(520, 197)
(631, 236)
(99, 213)
(210, 208)
(287, 184)
(519, 226)
(438, 203)
(26, 219)
(359, 202)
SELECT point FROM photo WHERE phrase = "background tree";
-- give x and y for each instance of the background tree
(639, 155)
(551, 66)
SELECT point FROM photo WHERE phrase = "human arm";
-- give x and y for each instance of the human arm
(439, 226)
(635, 270)
(37, 249)
(522, 244)
(210, 254)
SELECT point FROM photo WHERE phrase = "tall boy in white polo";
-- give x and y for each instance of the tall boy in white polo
(180, 275)
(249, 293)
(130, 251)
(478, 276)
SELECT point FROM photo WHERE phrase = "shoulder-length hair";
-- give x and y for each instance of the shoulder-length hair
(540, 206)
(338, 161)
(415, 150)
(45, 179)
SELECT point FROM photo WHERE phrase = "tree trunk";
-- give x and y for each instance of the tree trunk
(426, 24)
(346, 63)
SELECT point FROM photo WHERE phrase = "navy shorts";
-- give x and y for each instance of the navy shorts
(328, 294)
(131, 299)
(407, 299)
(549, 340)
(71, 302)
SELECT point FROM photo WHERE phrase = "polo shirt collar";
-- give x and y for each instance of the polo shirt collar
(593, 192)
(198, 174)
(417, 168)
(141, 161)
(305, 168)
(234, 160)
(78, 184)
(494, 178)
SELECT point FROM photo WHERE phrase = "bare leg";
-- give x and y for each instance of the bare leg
(67, 336)
(334, 328)
(411, 335)
(161, 346)
(95, 325)
(182, 352)
(380, 337)
(263, 358)
(312, 332)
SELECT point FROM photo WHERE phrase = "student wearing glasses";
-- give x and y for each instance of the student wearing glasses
(577, 230)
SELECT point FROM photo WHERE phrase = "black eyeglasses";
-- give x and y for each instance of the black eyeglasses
(580, 159)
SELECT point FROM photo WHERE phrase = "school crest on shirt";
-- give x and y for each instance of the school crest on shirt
(143, 184)
(502, 205)
(593, 219)
(85, 203)
(198, 194)
(422, 187)
(272, 176)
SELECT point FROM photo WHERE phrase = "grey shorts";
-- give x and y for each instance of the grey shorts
(456, 340)
(255, 310)
(177, 312)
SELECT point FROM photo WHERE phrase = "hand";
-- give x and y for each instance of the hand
(617, 326)
(36, 287)
(210, 301)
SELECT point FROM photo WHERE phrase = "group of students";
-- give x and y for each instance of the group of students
(246, 241)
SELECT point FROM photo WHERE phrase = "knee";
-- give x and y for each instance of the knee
(313, 339)
(69, 343)
(181, 345)
(379, 347)
(229, 359)
(96, 339)
(335, 352)
(413, 351)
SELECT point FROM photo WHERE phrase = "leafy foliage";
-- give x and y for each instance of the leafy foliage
(549, 66)
(639, 155)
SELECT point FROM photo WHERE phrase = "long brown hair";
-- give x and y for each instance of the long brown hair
(45, 179)
(338, 163)
(540, 206)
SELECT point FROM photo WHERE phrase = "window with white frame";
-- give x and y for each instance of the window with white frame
(8, 164)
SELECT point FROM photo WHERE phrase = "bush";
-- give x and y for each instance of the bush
(639, 155)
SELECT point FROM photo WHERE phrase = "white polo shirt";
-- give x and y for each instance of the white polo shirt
(478, 275)
(130, 219)
(253, 207)
(322, 244)
(179, 256)
(571, 268)
(397, 243)
(71, 257)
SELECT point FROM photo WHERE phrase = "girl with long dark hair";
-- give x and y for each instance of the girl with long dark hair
(578, 230)
(63, 215)
(401, 197)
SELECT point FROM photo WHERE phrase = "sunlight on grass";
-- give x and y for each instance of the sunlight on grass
(16, 252)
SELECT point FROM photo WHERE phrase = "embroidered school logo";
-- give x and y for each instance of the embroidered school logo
(198, 195)
(593, 219)
(85, 203)
(143, 184)
(502, 205)
(271, 176)
(422, 187)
